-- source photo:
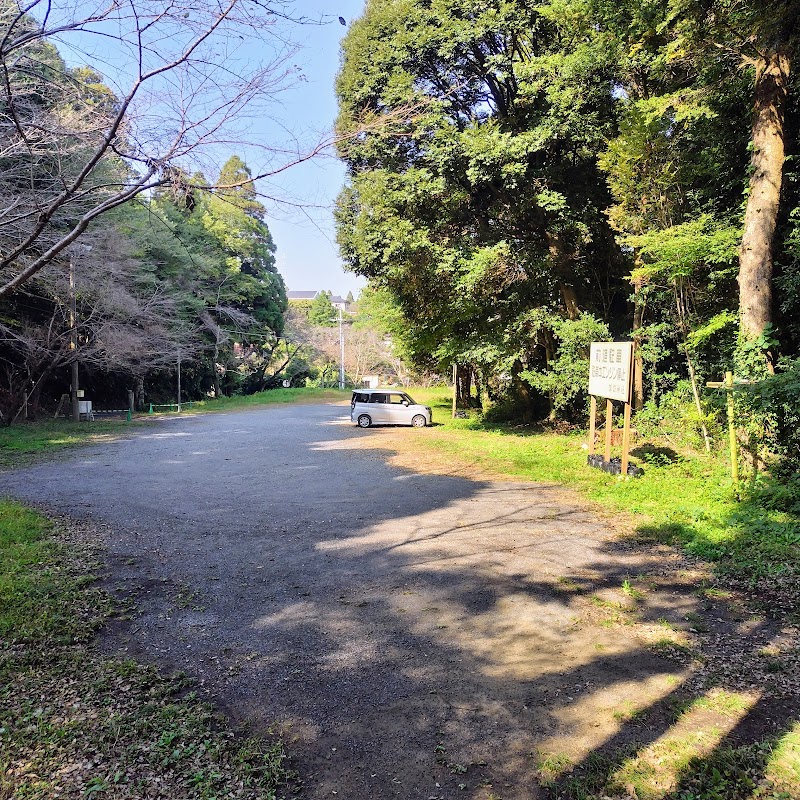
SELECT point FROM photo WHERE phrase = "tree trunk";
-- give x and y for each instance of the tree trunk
(464, 393)
(522, 390)
(570, 299)
(638, 364)
(217, 386)
(139, 393)
(756, 254)
(564, 270)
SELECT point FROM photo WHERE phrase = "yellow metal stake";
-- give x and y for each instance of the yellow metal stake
(727, 385)
(732, 428)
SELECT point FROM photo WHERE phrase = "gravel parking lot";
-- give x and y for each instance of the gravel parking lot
(412, 635)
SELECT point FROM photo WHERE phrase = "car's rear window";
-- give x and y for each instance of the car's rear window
(360, 397)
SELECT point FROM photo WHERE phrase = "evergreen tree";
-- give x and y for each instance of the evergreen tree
(474, 193)
(322, 311)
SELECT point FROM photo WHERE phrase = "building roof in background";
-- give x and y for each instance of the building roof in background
(336, 300)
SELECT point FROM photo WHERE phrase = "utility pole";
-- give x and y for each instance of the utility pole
(179, 381)
(341, 351)
(73, 343)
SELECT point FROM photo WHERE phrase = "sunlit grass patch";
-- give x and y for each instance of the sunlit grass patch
(272, 397)
(783, 766)
(691, 761)
(551, 766)
(728, 704)
(628, 712)
(631, 591)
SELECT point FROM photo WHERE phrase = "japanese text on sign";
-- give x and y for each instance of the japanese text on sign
(610, 370)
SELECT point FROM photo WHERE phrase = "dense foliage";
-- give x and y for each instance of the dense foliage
(525, 172)
(188, 274)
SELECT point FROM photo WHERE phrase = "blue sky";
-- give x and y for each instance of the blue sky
(307, 253)
(302, 225)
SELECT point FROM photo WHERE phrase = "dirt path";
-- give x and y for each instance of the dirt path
(413, 635)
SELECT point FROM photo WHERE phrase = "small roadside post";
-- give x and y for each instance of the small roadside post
(727, 385)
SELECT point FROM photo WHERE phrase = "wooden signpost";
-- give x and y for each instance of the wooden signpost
(610, 376)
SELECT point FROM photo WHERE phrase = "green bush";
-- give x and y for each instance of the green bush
(674, 416)
(565, 379)
(769, 411)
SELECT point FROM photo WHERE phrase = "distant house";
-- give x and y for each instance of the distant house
(307, 297)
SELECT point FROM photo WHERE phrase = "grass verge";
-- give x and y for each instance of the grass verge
(25, 442)
(76, 724)
(272, 397)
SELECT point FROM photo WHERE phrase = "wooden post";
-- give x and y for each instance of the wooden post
(732, 427)
(179, 380)
(609, 421)
(592, 422)
(626, 424)
(64, 399)
(626, 439)
(455, 387)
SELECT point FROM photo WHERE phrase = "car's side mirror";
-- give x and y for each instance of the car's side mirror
(405, 402)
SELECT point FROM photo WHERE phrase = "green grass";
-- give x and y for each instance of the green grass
(36, 591)
(26, 441)
(76, 724)
(691, 765)
(273, 396)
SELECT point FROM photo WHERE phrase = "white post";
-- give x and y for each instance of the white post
(341, 351)
(179, 381)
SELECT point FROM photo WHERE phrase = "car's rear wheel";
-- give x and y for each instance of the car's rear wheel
(418, 421)
(364, 421)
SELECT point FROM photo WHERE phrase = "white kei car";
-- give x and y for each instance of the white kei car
(387, 407)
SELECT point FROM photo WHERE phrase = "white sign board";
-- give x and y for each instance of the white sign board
(287, 384)
(610, 370)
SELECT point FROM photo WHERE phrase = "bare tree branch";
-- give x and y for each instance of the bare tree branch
(59, 143)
